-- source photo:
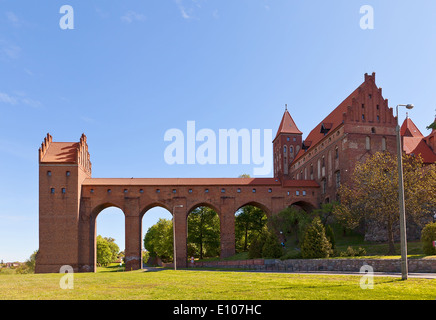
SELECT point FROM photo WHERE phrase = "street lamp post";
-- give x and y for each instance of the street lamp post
(403, 237)
(174, 235)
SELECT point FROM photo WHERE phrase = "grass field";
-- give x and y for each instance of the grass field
(211, 285)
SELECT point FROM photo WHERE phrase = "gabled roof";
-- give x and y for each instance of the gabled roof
(409, 129)
(417, 146)
(61, 152)
(331, 122)
(287, 125)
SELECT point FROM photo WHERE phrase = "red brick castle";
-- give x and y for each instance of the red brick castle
(306, 173)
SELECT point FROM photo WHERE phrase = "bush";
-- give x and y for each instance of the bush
(428, 235)
(265, 245)
(271, 248)
(315, 243)
(255, 249)
(350, 252)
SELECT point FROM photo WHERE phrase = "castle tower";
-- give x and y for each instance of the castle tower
(286, 145)
(62, 168)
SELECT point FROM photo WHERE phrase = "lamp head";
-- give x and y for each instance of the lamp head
(409, 106)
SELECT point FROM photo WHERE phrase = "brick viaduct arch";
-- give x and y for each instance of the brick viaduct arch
(70, 201)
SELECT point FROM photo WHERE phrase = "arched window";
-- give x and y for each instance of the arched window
(383, 144)
(284, 150)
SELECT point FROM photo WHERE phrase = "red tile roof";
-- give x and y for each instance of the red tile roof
(409, 129)
(287, 125)
(65, 152)
(417, 146)
(195, 182)
(331, 122)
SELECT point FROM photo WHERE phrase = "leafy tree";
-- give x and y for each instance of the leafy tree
(29, 265)
(271, 248)
(428, 235)
(104, 253)
(315, 244)
(204, 232)
(290, 221)
(372, 194)
(432, 126)
(115, 249)
(330, 236)
(158, 240)
(249, 222)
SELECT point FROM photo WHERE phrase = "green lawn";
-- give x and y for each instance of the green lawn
(213, 285)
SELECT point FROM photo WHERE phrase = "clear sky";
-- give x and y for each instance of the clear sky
(131, 70)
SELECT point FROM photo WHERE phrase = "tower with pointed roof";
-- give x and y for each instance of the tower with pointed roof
(286, 145)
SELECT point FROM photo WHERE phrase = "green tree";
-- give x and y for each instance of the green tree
(249, 222)
(428, 235)
(158, 240)
(271, 248)
(372, 194)
(104, 253)
(115, 249)
(204, 232)
(290, 221)
(315, 244)
(29, 265)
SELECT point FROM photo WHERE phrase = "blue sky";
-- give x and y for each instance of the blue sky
(131, 70)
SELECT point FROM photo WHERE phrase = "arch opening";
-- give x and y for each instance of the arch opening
(108, 236)
(204, 232)
(250, 221)
(157, 236)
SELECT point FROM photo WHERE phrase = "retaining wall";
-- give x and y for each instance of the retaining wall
(348, 265)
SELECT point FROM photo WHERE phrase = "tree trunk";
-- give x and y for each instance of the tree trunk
(390, 238)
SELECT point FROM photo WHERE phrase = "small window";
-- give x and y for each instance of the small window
(363, 106)
(304, 192)
(190, 190)
(254, 190)
(174, 191)
(363, 117)
(288, 139)
(68, 173)
(368, 143)
(125, 190)
(269, 190)
(378, 118)
(157, 190)
(378, 107)
(223, 190)
(64, 190)
(141, 190)
(92, 190)
(49, 173)
(206, 191)
(297, 193)
(239, 190)
(373, 130)
(109, 190)
(52, 190)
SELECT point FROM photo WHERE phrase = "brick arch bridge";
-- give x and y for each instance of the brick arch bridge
(70, 201)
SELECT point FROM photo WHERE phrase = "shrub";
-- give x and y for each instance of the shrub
(350, 252)
(315, 243)
(271, 247)
(255, 249)
(428, 235)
